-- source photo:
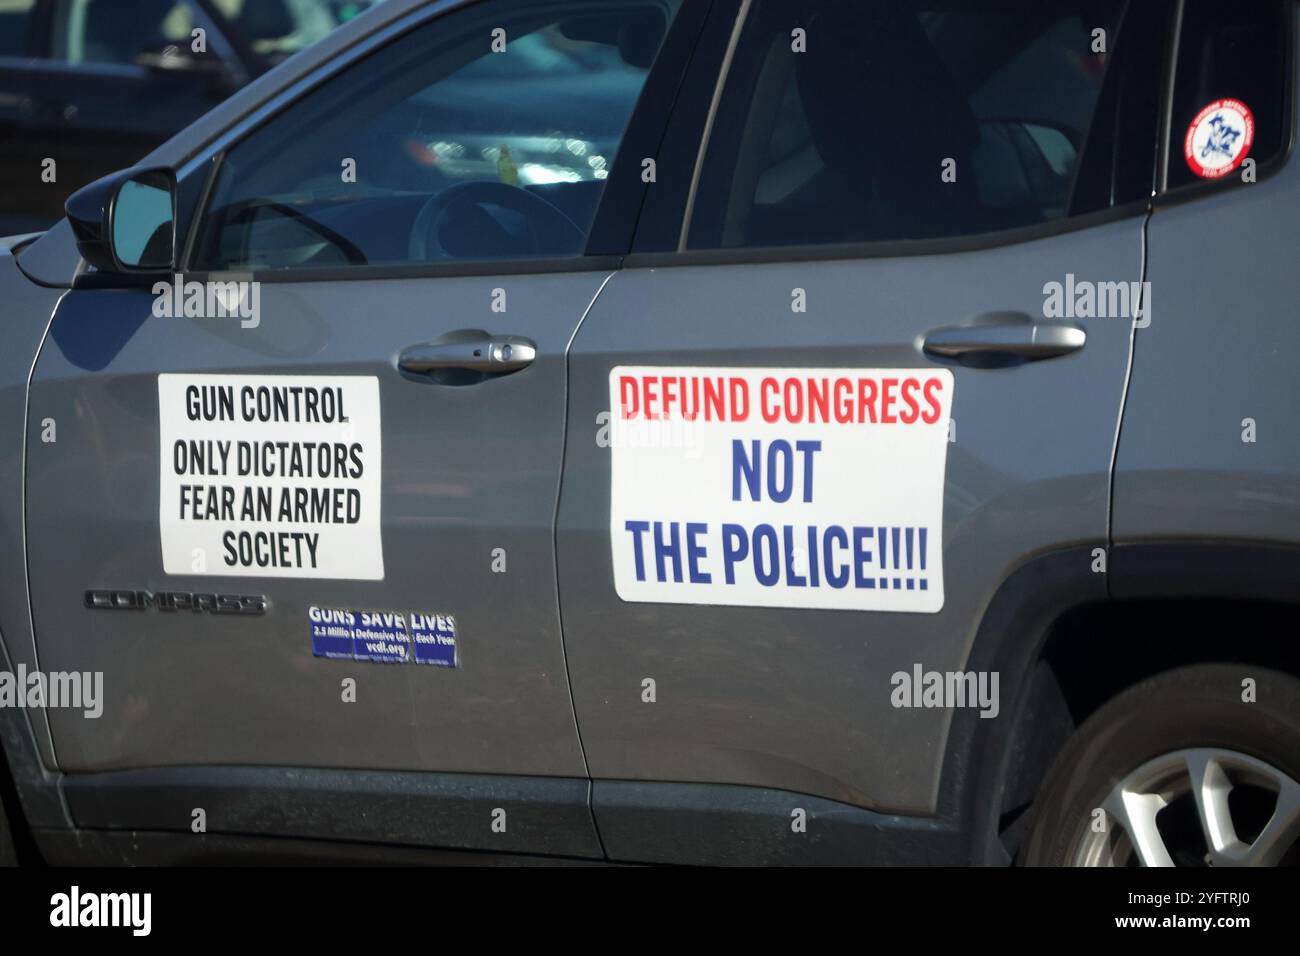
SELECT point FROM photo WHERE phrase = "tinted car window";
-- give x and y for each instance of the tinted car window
(276, 29)
(113, 31)
(14, 17)
(850, 140)
(1231, 52)
(440, 147)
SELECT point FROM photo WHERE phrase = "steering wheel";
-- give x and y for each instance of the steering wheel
(351, 251)
(545, 220)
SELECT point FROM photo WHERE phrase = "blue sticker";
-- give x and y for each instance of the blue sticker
(434, 636)
(331, 633)
(385, 637)
(381, 637)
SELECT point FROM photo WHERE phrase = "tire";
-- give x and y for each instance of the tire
(1122, 791)
(8, 853)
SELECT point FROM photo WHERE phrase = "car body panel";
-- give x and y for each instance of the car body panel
(800, 700)
(26, 314)
(467, 470)
(543, 815)
(1213, 366)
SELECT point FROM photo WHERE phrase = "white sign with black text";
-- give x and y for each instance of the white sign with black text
(270, 476)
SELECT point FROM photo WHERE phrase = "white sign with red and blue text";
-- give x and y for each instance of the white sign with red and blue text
(765, 487)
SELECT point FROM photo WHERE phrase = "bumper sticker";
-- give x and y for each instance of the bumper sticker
(331, 633)
(270, 476)
(765, 487)
(1219, 138)
(384, 637)
(435, 639)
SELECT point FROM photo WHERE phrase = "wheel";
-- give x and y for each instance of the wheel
(1178, 771)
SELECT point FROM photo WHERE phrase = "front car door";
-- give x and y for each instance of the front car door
(868, 380)
(318, 533)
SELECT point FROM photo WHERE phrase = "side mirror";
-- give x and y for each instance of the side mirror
(178, 61)
(126, 222)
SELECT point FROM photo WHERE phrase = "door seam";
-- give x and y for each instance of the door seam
(1143, 312)
(555, 559)
(27, 562)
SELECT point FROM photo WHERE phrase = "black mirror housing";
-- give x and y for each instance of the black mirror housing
(92, 213)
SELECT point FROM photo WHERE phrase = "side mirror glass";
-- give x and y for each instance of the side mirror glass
(143, 222)
(126, 222)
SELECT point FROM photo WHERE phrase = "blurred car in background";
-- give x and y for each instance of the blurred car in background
(96, 84)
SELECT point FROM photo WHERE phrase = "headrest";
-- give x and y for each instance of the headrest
(876, 92)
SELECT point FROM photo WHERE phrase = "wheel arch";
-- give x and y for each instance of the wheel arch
(1065, 639)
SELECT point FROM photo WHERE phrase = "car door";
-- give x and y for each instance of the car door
(813, 433)
(1199, 464)
(401, 613)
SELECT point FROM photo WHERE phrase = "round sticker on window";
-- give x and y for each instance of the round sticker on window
(1220, 138)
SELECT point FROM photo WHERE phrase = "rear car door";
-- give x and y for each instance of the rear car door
(421, 277)
(826, 420)
(1200, 464)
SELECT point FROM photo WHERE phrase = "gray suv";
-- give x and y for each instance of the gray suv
(444, 443)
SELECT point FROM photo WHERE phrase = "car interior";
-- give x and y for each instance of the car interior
(440, 174)
(814, 163)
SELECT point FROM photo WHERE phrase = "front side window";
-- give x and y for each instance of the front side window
(487, 134)
(880, 120)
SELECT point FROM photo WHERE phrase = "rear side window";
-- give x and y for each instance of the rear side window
(14, 17)
(878, 120)
(1232, 89)
(109, 31)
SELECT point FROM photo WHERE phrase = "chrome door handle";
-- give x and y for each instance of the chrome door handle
(1023, 341)
(471, 351)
